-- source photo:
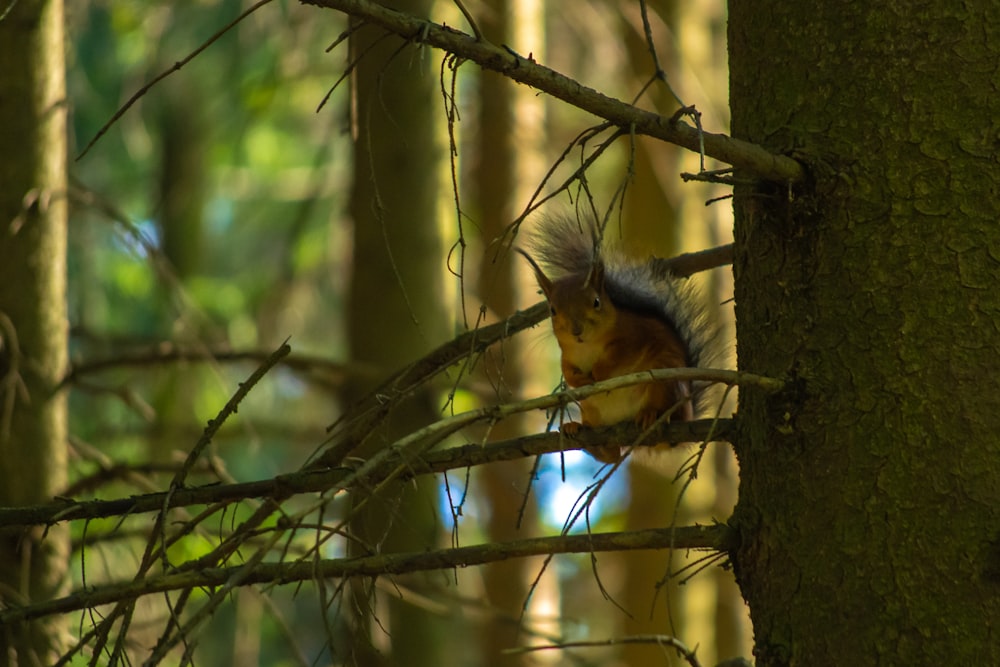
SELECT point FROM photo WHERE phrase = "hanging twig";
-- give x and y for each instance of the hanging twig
(750, 158)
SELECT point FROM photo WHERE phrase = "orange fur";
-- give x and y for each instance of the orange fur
(600, 340)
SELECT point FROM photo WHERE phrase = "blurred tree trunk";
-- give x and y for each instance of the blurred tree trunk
(184, 151)
(665, 216)
(183, 183)
(650, 227)
(33, 325)
(502, 486)
(184, 148)
(869, 502)
(397, 311)
(651, 502)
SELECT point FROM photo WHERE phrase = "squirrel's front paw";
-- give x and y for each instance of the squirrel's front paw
(570, 428)
(576, 378)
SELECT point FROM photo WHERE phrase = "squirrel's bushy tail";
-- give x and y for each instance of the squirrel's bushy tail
(564, 246)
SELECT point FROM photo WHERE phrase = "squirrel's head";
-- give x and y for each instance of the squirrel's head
(580, 307)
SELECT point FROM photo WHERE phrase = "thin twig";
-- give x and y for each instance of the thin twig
(749, 158)
(176, 66)
(168, 353)
(315, 480)
(468, 17)
(716, 537)
(662, 640)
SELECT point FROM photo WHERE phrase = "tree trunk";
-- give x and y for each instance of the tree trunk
(500, 152)
(183, 186)
(870, 494)
(397, 312)
(33, 329)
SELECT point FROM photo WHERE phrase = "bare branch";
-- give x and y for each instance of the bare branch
(315, 480)
(168, 353)
(743, 155)
(717, 537)
(662, 640)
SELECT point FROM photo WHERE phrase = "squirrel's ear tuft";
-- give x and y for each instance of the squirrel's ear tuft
(543, 280)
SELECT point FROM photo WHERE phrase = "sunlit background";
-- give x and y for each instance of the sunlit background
(212, 221)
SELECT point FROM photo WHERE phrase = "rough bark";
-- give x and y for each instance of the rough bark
(33, 328)
(870, 492)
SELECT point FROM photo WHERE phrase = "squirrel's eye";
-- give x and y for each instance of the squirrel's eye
(597, 303)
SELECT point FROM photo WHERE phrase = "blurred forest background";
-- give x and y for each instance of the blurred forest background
(257, 195)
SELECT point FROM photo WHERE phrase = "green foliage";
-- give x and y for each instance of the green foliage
(272, 189)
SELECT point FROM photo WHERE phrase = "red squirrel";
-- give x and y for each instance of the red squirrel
(612, 316)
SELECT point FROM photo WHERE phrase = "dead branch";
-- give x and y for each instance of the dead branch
(747, 157)
(317, 480)
(168, 353)
(661, 640)
(717, 537)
